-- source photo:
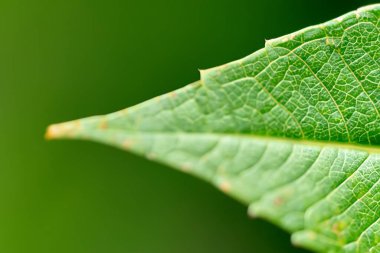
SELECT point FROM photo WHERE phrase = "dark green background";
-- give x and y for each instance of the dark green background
(62, 60)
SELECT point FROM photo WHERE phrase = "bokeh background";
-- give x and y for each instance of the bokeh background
(62, 60)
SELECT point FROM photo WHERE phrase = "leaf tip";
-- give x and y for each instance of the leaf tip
(62, 130)
(50, 132)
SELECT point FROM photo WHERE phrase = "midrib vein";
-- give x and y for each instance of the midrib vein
(371, 149)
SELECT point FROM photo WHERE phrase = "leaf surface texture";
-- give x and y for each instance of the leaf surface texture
(292, 131)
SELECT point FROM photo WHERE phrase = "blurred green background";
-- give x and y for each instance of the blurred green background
(62, 60)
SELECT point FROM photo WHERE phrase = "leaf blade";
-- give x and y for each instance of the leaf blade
(291, 130)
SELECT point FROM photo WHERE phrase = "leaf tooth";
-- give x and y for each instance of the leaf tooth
(369, 7)
(314, 241)
(252, 211)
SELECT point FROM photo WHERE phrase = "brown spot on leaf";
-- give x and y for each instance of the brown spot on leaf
(224, 186)
(185, 167)
(278, 201)
(127, 144)
(151, 156)
(103, 125)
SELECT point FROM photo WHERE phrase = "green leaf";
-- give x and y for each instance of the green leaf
(292, 130)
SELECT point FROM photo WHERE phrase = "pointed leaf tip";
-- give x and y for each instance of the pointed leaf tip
(62, 130)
